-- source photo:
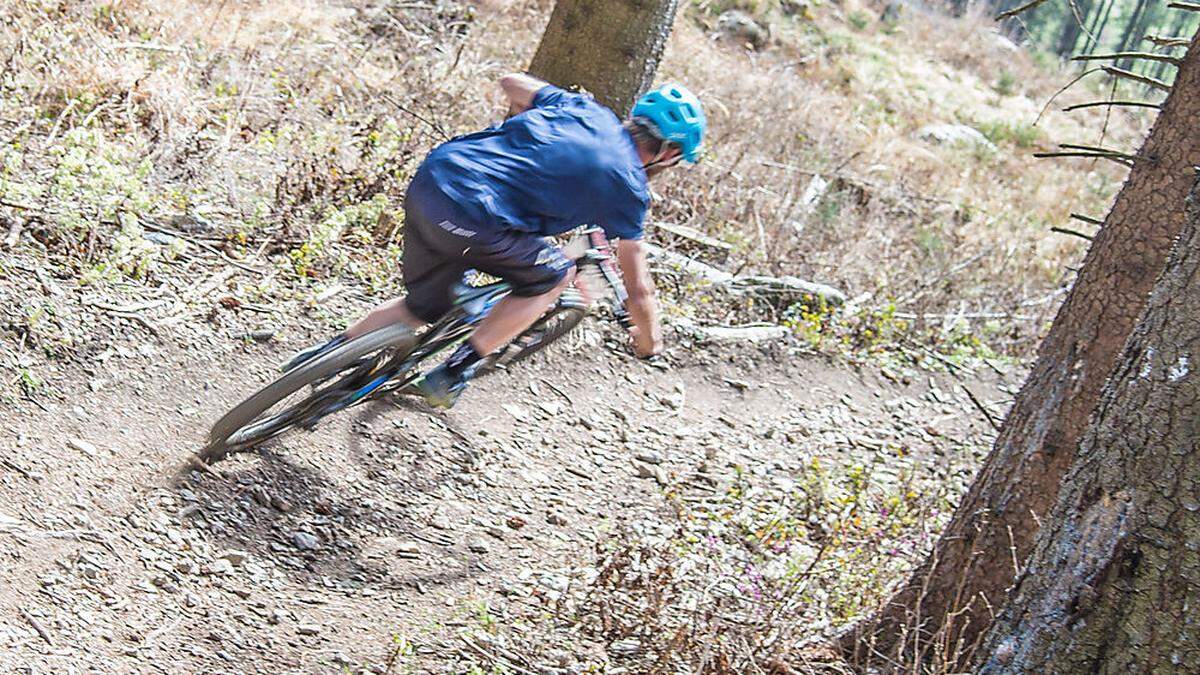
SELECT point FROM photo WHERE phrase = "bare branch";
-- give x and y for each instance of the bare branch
(1079, 19)
(1086, 219)
(1114, 157)
(1130, 75)
(1189, 6)
(1017, 10)
(1166, 41)
(1149, 56)
(1093, 148)
(1074, 233)
(1060, 91)
(1093, 104)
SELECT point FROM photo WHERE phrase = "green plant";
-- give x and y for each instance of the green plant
(1006, 84)
(1019, 134)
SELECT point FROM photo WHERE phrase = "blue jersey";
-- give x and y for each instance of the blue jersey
(565, 162)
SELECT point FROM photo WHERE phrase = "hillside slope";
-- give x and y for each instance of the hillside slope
(189, 192)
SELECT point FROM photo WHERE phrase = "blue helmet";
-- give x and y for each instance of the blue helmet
(675, 115)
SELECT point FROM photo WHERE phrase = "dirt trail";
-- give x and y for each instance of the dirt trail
(391, 520)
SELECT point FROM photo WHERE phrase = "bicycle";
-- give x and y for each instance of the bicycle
(389, 360)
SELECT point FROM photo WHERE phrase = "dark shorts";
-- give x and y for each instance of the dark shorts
(441, 243)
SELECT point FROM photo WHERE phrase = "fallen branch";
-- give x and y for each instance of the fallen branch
(1188, 6)
(972, 315)
(1075, 233)
(1017, 10)
(791, 287)
(1086, 219)
(502, 660)
(1143, 79)
(1149, 56)
(971, 395)
(1093, 104)
(694, 235)
(37, 626)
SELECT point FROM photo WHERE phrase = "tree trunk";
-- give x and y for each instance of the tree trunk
(610, 48)
(944, 607)
(1114, 581)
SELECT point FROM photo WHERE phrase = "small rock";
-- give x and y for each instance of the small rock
(737, 25)
(478, 546)
(650, 456)
(955, 134)
(515, 522)
(82, 446)
(740, 385)
(260, 495)
(556, 518)
(235, 558)
(262, 335)
(308, 629)
(408, 548)
(305, 541)
(651, 471)
(280, 504)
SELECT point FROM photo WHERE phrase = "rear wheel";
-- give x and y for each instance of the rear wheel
(285, 402)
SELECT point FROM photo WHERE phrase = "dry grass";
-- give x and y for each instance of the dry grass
(271, 120)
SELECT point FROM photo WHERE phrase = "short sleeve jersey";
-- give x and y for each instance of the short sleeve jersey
(565, 162)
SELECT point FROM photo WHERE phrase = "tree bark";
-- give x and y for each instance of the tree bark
(1114, 581)
(610, 48)
(942, 610)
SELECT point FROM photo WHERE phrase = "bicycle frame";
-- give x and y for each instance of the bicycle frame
(473, 306)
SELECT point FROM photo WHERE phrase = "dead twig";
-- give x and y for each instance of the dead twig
(1167, 41)
(1149, 56)
(1019, 9)
(1074, 233)
(1060, 91)
(1115, 157)
(1188, 6)
(1143, 79)
(1093, 104)
(37, 626)
(495, 659)
(1086, 219)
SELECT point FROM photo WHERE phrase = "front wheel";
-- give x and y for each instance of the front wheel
(282, 403)
(560, 320)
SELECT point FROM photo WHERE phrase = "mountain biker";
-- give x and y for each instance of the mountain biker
(485, 201)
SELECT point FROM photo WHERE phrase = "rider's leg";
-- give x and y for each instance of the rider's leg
(385, 314)
(429, 272)
(512, 315)
(538, 273)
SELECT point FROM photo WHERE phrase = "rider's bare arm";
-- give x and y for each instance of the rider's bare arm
(642, 305)
(520, 89)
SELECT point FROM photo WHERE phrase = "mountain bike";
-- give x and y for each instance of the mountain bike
(391, 359)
